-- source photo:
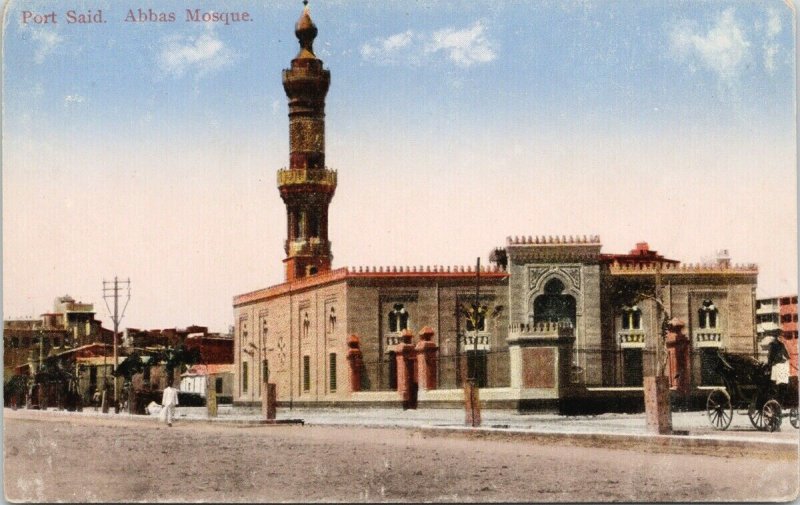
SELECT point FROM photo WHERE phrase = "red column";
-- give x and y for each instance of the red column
(356, 363)
(678, 349)
(427, 354)
(406, 370)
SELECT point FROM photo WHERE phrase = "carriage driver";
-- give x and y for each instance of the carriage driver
(777, 359)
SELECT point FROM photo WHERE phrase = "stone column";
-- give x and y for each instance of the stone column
(406, 373)
(427, 354)
(354, 358)
(679, 367)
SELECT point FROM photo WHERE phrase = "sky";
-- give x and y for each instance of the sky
(148, 150)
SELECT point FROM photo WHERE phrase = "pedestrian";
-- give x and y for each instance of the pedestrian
(168, 403)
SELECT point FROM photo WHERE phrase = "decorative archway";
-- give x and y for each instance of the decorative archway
(554, 305)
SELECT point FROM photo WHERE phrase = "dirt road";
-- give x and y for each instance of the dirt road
(95, 459)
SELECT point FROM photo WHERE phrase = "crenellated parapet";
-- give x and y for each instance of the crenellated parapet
(553, 240)
(436, 269)
(366, 272)
(683, 268)
(554, 249)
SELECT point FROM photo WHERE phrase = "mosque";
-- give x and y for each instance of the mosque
(550, 322)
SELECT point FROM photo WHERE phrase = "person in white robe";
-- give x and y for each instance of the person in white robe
(168, 403)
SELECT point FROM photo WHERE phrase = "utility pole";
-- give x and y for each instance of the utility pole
(111, 291)
(477, 320)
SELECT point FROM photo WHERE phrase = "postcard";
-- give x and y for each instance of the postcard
(323, 250)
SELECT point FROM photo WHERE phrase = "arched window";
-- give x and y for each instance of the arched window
(481, 318)
(553, 306)
(398, 318)
(332, 319)
(631, 318)
(708, 315)
(264, 327)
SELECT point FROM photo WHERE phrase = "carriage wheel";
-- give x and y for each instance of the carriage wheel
(793, 417)
(757, 417)
(772, 415)
(719, 409)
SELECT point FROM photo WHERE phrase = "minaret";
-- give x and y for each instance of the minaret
(307, 186)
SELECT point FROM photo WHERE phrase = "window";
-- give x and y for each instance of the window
(243, 328)
(218, 385)
(398, 318)
(707, 315)
(265, 370)
(632, 374)
(631, 318)
(332, 320)
(306, 324)
(264, 328)
(786, 318)
(481, 318)
(476, 367)
(244, 377)
(553, 306)
(708, 364)
(313, 225)
(306, 373)
(332, 371)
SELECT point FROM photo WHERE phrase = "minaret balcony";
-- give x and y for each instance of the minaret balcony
(311, 247)
(302, 176)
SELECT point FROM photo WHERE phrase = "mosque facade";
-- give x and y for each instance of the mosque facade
(549, 321)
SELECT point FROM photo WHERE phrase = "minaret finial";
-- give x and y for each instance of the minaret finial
(306, 32)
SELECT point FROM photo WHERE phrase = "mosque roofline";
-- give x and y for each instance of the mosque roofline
(369, 272)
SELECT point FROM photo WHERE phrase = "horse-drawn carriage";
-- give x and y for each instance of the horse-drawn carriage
(749, 385)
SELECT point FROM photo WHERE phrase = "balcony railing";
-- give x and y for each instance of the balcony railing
(631, 338)
(707, 338)
(295, 176)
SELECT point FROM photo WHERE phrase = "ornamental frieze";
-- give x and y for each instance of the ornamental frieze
(573, 273)
(307, 135)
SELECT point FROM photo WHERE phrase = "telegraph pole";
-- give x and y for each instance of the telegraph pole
(111, 291)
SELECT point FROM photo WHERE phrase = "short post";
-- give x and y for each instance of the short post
(354, 359)
(472, 403)
(426, 359)
(211, 398)
(269, 400)
(656, 404)
(132, 400)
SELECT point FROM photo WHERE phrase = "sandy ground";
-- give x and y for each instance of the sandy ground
(110, 460)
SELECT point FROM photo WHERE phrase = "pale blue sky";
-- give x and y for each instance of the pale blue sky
(149, 150)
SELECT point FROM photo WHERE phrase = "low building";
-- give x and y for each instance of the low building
(71, 324)
(198, 377)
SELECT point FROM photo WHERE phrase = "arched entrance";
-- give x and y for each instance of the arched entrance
(553, 305)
